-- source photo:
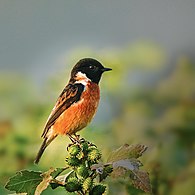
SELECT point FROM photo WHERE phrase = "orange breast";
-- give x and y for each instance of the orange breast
(78, 115)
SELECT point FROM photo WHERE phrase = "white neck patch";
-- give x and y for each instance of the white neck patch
(82, 78)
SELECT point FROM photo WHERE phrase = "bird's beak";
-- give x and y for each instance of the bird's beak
(106, 69)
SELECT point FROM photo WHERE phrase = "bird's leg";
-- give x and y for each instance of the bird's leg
(73, 140)
(79, 140)
(91, 144)
(77, 137)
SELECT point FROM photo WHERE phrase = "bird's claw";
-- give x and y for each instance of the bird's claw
(76, 139)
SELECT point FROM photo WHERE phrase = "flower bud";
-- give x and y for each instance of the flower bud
(82, 171)
(98, 190)
(74, 150)
(87, 184)
(72, 161)
(84, 147)
(94, 155)
(72, 185)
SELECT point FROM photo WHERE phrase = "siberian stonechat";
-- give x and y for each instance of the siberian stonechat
(77, 103)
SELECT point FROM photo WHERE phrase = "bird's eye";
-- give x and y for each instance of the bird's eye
(92, 67)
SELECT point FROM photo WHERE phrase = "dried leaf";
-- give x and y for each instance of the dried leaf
(141, 181)
(119, 172)
(122, 167)
(129, 164)
(124, 161)
(127, 152)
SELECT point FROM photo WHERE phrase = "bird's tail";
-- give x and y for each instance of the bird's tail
(44, 145)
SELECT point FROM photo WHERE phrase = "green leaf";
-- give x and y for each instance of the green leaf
(55, 185)
(24, 182)
(59, 180)
(45, 182)
(58, 171)
(62, 179)
(127, 152)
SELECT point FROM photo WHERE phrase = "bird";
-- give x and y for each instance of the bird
(76, 105)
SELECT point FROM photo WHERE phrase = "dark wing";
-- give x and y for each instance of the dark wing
(69, 95)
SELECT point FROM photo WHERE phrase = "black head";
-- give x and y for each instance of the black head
(91, 68)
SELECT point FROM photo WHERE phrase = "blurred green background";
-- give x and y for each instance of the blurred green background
(148, 98)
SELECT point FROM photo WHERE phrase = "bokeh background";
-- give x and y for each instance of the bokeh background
(148, 98)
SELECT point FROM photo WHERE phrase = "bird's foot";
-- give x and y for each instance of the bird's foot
(75, 139)
(71, 138)
(78, 141)
(89, 143)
